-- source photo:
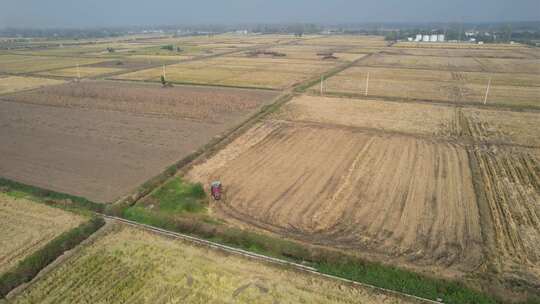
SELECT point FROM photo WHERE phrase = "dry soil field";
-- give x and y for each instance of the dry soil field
(397, 196)
(126, 265)
(100, 140)
(435, 186)
(27, 226)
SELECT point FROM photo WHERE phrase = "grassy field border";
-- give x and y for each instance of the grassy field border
(50, 197)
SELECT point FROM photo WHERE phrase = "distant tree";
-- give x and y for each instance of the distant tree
(110, 50)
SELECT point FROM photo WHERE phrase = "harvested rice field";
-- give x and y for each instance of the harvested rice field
(10, 84)
(503, 127)
(269, 73)
(402, 197)
(474, 53)
(452, 45)
(371, 115)
(31, 64)
(127, 265)
(27, 226)
(101, 140)
(510, 206)
(506, 89)
(81, 72)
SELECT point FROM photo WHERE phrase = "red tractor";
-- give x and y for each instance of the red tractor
(216, 190)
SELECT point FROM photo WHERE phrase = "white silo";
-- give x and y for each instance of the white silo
(441, 38)
(433, 38)
(425, 38)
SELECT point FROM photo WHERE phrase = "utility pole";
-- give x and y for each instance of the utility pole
(322, 80)
(487, 90)
(367, 83)
(163, 71)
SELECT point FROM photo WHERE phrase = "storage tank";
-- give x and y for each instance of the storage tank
(425, 38)
(433, 38)
(441, 38)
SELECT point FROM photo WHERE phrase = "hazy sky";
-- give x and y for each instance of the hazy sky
(92, 13)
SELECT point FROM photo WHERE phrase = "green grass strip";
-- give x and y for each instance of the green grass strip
(44, 195)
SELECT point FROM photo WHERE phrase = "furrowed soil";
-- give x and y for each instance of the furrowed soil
(216, 105)
(408, 198)
(101, 141)
(27, 226)
(127, 265)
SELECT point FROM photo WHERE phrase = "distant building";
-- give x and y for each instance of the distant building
(425, 38)
(418, 37)
(433, 38)
(441, 38)
(409, 39)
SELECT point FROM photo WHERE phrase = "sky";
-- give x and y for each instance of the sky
(103, 13)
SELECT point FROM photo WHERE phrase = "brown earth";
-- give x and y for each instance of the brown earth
(216, 105)
(81, 149)
(408, 198)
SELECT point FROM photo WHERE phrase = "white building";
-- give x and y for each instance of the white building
(425, 38)
(418, 37)
(441, 38)
(433, 38)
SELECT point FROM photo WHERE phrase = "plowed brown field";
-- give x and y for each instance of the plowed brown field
(189, 102)
(102, 140)
(396, 196)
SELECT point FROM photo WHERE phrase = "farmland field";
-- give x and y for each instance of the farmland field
(422, 119)
(126, 265)
(511, 180)
(100, 139)
(400, 196)
(519, 128)
(81, 71)
(474, 53)
(27, 226)
(506, 89)
(27, 64)
(234, 71)
(461, 64)
(10, 84)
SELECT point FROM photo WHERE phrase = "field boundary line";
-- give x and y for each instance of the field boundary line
(265, 258)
